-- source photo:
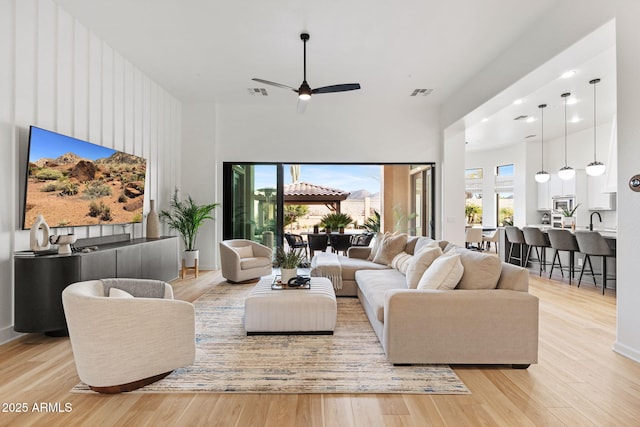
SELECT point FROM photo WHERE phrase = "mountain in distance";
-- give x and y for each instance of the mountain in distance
(64, 159)
(120, 158)
(362, 194)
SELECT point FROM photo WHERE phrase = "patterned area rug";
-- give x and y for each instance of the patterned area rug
(350, 361)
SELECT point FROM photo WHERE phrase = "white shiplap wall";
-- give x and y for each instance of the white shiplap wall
(58, 75)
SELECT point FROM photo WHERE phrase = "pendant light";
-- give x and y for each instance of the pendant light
(566, 172)
(595, 168)
(542, 176)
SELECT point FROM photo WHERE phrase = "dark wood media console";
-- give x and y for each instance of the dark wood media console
(40, 279)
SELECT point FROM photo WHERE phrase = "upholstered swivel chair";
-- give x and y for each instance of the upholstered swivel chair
(563, 240)
(515, 236)
(127, 333)
(340, 243)
(317, 242)
(591, 243)
(473, 235)
(536, 239)
(243, 260)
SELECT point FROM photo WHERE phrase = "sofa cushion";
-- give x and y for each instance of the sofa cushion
(244, 251)
(401, 262)
(377, 241)
(374, 284)
(391, 246)
(410, 246)
(253, 262)
(349, 266)
(419, 264)
(119, 293)
(427, 242)
(444, 273)
(481, 271)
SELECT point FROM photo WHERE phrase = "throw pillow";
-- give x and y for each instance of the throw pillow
(390, 247)
(401, 262)
(119, 293)
(444, 273)
(481, 271)
(419, 264)
(377, 241)
(244, 251)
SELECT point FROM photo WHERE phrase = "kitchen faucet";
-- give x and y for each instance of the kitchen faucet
(591, 219)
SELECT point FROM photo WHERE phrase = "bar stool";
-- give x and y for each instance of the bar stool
(591, 243)
(534, 238)
(515, 236)
(563, 240)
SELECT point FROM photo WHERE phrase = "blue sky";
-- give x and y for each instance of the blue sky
(343, 177)
(46, 144)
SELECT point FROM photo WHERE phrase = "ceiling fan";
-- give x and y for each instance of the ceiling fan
(304, 91)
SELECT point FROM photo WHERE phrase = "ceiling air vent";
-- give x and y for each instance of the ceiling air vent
(421, 92)
(258, 91)
(521, 118)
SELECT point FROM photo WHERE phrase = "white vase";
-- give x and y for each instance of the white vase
(568, 221)
(190, 258)
(36, 243)
(287, 273)
(153, 222)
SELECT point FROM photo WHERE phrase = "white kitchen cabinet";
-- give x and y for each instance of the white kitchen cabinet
(559, 187)
(597, 199)
(544, 198)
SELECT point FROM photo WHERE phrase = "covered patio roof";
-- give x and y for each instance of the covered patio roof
(304, 193)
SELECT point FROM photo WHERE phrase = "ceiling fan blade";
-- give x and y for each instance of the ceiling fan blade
(302, 106)
(267, 82)
(337, 88)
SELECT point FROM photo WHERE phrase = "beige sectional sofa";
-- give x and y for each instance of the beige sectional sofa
(489, 318)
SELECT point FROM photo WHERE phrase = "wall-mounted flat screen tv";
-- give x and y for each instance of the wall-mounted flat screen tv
(76, 183)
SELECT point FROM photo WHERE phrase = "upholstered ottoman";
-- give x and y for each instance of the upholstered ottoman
(291, 311)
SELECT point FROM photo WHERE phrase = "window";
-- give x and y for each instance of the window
(504, 195)
(473, 195)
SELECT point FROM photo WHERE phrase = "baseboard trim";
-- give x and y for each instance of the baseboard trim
(8, 334)
(626, 351)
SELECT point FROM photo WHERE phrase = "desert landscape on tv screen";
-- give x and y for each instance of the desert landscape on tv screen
(72, 182)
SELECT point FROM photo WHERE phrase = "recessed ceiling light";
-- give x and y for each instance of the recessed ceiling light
(485, 120)
(575, 119)
(568, 74)
(518, 102)
(572, 101)
(530, 119)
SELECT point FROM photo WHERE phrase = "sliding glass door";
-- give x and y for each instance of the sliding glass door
(252, 202)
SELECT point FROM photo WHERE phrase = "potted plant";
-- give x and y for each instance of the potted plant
(336, 221)
(569, 220)
(288, 262)
(186, 217)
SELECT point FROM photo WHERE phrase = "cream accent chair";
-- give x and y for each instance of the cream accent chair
(244, 260)
(123, 343)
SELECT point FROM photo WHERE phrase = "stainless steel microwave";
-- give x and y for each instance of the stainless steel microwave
(562, 203)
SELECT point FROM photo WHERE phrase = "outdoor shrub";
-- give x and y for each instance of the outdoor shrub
(95, 190)
(46, 174)
(49, 188)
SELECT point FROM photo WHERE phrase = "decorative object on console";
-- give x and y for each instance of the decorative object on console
(36, 243)
(595, 168)
(186, 217)
(153, 221)
(566, 172)
(64, 242)
(542, 176)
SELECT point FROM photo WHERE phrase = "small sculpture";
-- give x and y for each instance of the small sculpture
(39, 244)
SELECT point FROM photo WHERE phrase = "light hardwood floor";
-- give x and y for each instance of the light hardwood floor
(579, 381)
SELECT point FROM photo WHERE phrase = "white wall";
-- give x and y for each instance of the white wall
(326, 132)
(56, 74)
(542, 42)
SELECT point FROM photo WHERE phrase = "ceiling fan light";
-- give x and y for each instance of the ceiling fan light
(596, 168)
(566, 172)
(304, 93)
(304, 96)
(542, 177)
